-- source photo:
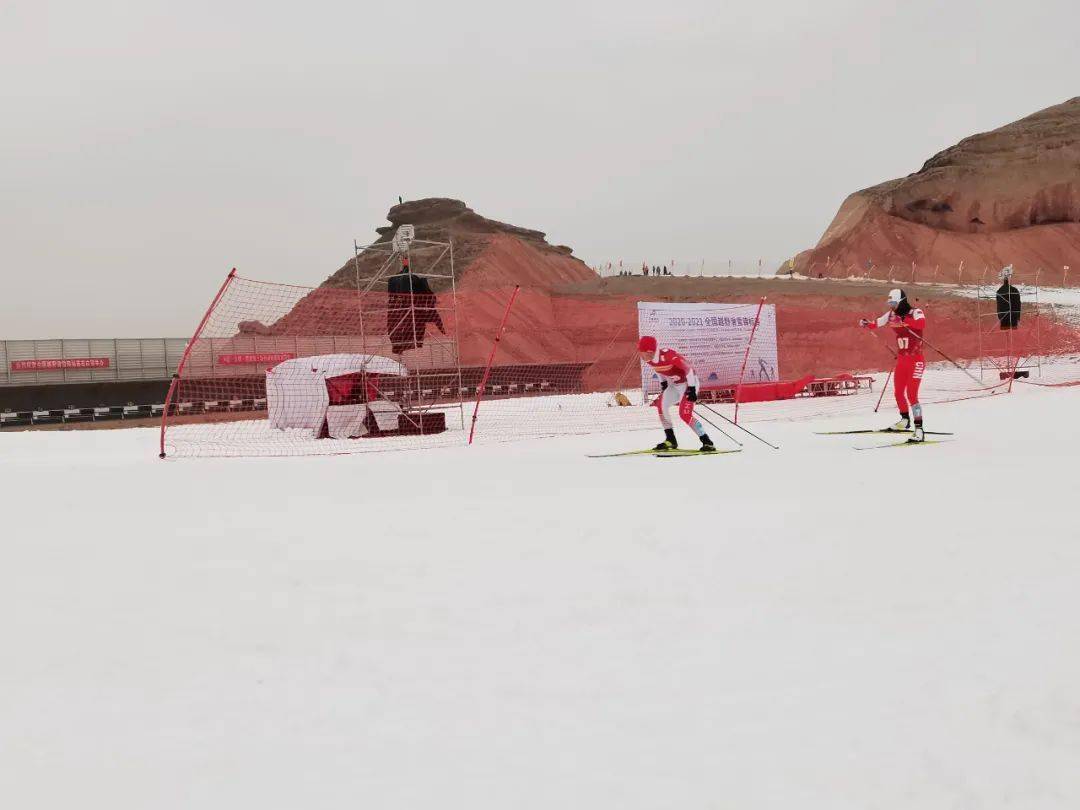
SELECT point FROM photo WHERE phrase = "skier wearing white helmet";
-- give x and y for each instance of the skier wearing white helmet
(908, 324)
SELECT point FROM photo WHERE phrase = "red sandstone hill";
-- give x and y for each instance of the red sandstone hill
(490, 258)
(1010, 196)
(487, 253)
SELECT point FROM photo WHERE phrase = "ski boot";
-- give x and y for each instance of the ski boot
(706, 444)
(669, 443)
(918, 435)
(903, 426)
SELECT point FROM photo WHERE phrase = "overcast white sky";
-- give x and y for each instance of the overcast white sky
(147, 147)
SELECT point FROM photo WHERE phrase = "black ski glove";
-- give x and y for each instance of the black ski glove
(691, 393)
(663, 385)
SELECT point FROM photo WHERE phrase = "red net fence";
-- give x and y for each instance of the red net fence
(277, 369)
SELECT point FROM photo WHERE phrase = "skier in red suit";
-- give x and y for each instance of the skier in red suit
(678, 384)
(908, 325)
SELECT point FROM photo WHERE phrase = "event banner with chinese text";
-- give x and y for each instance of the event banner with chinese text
(713, 337)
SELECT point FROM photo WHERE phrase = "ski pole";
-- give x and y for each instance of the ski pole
(740, 427)
(889, 376)
(883, 389)
(884, 342)
(969, 375)
(722, 431)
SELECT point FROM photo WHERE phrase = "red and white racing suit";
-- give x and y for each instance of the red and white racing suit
(679, 375)
(910, 363)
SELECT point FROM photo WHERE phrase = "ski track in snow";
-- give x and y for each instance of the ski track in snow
(514, 625)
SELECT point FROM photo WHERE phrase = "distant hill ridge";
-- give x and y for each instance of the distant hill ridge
(1010, 196)
(487, 253)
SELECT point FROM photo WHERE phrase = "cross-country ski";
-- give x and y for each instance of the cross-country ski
(881, 430)
(671, 453)
(908, 443)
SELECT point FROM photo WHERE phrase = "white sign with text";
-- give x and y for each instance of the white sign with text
(713, 337)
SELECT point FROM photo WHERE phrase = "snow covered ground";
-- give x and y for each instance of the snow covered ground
(514, 625)
(537, 417)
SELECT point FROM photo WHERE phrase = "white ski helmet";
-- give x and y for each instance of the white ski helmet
(895, 297)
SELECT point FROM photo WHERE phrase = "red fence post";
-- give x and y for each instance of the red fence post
(184, 356)
(753, 329)
(491, 359)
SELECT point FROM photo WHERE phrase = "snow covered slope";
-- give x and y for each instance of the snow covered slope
(518, 626)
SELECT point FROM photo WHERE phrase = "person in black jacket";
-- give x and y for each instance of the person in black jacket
(1008, 301)
(410, 307)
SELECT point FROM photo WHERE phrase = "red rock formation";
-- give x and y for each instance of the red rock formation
(487, 253)
(1011, 196)
(490, 258)
(508, 260)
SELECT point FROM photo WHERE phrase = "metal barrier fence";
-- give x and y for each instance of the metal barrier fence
(47, 362)
(38, 362)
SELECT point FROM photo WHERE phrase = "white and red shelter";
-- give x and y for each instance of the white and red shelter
(332, 394)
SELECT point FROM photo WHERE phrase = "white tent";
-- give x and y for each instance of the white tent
(297, 397)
